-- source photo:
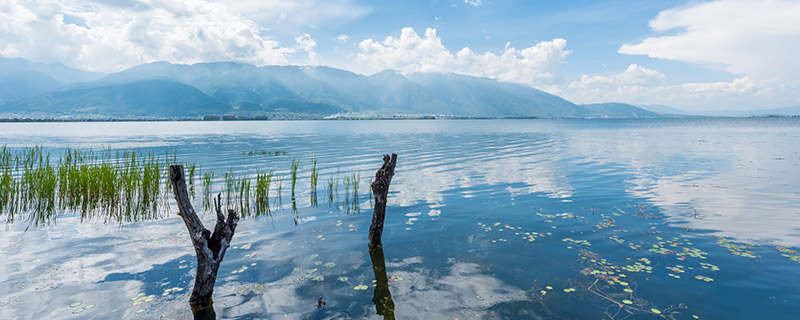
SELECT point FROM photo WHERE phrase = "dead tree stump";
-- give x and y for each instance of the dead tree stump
(210, 247)
(380, 188)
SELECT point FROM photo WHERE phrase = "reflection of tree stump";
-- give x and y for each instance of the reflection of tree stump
(210, 247)
(380, 188)
(381, 297)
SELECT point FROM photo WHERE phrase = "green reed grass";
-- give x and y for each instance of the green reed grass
(314, 179)
(208, 180)
(132, 185)
(117, 186)
(263, 181)
(295, 165)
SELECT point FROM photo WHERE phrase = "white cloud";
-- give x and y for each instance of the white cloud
(634, 75)
(342, 38)
(307, 44)
(118, 35)
(300, 13)
(755, 38)
(474, 3)
(413, 53)
(642, 88)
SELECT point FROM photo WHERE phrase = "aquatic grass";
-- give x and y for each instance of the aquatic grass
(264, 153)
(230, 189)
(263, 181)
(314, 180)
(279, 199)
(114, 185)
(133, 185)
(295, 165)
(208, 180)
(331, 182)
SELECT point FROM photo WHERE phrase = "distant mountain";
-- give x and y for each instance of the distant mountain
(20, 78)
(177, 91)
(786, 111)
(662, 109)
(148, 98)
(617, 110)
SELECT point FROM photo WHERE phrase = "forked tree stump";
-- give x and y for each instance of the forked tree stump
(380, 188)
(210, 247)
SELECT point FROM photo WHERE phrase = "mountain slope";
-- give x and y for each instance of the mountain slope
(174, 90)
(20, 78)
(149, 98)
(617, 110)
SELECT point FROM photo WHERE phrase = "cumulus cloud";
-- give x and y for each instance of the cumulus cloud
(634, 75)
(744, 93)
(299, 13)
(342, 38)
(755, 38)
(307, 44)
(117, 35)
(414, 53)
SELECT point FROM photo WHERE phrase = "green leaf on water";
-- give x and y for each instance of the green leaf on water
(88, 307)
(627, 302)
(75, 304)
(656, 311)
(77, 311)
(549, 288)
(628, 290)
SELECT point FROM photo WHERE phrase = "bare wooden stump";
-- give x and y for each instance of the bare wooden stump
(380, 188)
(210, 247)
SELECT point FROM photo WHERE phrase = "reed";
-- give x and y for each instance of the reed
(230, 189)
(263, 181)
(117, 186)
(133, 185)
(314, 179)
(208, 180)
(295, 165)
(279, 199)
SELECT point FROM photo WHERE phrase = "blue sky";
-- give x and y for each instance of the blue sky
(694, 55)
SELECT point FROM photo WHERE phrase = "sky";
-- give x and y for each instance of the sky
(693, 55)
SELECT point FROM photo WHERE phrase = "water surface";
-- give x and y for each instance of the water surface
(486, 219)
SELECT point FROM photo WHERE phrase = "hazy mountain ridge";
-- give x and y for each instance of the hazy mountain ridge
(618, 110)
(168, 90)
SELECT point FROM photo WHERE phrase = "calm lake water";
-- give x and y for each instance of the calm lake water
(487, 219)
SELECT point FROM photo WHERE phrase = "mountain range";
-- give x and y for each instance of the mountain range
(164, 90)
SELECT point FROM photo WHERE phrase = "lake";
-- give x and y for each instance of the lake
(486, 219)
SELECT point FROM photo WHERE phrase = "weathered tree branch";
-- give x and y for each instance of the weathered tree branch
(380, 188)
(210, 247)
